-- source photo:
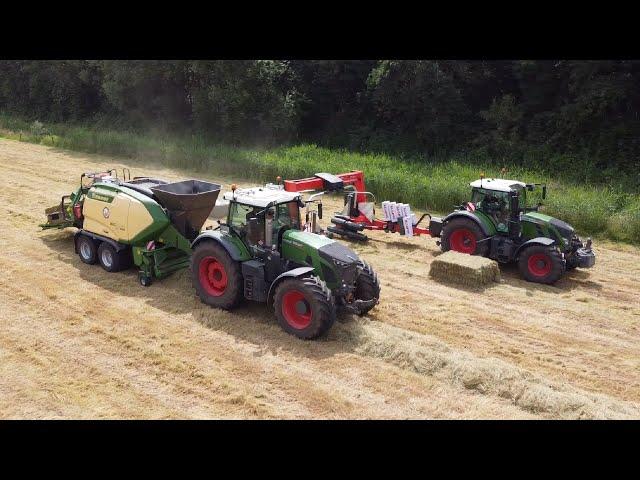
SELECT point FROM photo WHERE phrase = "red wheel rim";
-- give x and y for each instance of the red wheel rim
(539, 264)
(213, 276)
(462, 240)
(296, 310)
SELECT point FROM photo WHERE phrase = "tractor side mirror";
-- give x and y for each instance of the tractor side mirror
(320, 210)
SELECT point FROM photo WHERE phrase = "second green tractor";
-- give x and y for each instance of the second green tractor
(497, 223)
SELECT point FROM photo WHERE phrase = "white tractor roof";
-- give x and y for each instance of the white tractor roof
(498, 184)
(261, 196)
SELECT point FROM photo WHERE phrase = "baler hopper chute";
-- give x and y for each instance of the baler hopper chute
(189, 204)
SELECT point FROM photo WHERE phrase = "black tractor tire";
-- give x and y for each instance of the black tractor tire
(111, 260)
(144, 280)
(464, 235)
(87, 249)
(367, 285)
(541, 264)
(304, 307)
(216, 276)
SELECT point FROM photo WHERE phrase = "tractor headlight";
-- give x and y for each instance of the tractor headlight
(340, 263)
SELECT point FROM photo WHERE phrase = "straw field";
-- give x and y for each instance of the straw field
(78, 342)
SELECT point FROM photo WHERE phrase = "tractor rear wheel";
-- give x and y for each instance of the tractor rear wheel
(541, 264)
(367, 285)
(216, 276)
(465, 236)
(87, 250)
(304, 307)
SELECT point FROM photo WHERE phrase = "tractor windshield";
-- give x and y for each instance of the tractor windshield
(239, 216)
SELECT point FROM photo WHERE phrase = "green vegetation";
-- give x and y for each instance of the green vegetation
(429, 183)
(581, 118)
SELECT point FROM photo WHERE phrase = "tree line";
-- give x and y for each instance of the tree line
(508, 109)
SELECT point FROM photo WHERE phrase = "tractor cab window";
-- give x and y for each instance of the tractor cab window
(288, 214)
(522, 196)
(283, 215)
(494, 204)
(239, 216)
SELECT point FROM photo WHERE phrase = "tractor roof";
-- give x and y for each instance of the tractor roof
(261, 196)
(498, 184)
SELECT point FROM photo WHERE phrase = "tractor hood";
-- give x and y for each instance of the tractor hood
(332, 261)
(327, 248)
(337, 251)
(566, 230)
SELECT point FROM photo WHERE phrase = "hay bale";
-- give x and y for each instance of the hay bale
(469, 270)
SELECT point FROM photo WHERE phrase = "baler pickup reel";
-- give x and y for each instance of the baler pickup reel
(68, 213)
(358, 213)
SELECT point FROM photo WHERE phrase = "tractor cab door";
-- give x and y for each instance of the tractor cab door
(495, 204)
(283, 216)
(248, 222)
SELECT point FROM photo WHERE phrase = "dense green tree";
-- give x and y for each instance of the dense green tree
(510, 109)
(245, 101)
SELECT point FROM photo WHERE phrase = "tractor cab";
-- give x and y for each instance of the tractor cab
(261, 215)
(500, 200)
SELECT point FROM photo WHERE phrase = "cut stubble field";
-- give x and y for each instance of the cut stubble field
(78, 342)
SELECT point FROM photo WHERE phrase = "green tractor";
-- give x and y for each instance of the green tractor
(497, 223)
(262, 253)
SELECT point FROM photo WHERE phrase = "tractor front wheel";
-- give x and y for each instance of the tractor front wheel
(367, 285)
(465, 236)
(216, 276)
(304, 307)
(541, 264)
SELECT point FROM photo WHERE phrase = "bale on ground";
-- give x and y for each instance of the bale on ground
(464, 269)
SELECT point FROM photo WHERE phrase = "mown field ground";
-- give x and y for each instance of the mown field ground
(78, 342)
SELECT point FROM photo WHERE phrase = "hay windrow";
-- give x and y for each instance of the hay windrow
(468, 270)
(488, 376)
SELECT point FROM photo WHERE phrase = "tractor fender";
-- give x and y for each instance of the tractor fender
(546, 241)
(464, 213)
(296, 272)
(216, 236)
(97, 238)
